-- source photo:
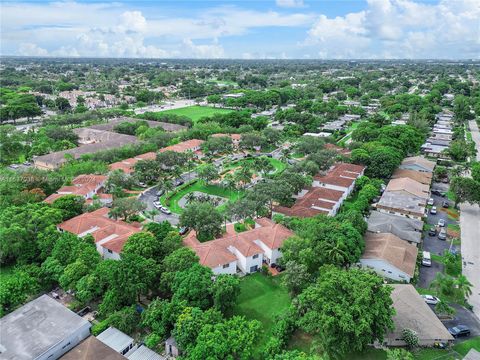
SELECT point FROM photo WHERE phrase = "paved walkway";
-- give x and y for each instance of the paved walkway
(470, 228)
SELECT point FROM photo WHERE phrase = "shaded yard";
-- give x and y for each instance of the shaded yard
(262, 298)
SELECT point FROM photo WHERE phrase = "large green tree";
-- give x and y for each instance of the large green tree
(346, 310)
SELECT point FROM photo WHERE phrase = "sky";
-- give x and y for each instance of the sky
(248, 29)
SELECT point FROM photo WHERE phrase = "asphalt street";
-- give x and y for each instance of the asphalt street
(470, 228)
(148, 197)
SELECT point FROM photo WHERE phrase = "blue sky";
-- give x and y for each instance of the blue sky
(326, 29)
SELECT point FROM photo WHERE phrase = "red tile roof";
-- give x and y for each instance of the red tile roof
(217, 252)
(341, 174)
(82, 185)
(101, 227)
(338, 149)
(317, 200)
(189, 145)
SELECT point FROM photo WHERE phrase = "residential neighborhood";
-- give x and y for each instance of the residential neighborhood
(171, 190)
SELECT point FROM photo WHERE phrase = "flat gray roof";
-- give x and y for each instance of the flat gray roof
(37, 326)
(114, 338)
(409, 203)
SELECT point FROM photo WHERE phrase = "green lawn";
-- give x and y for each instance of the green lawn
(262, 298)
(465, 346)
(232, 195)
(350, 129)
(277, 164)
(197, 112)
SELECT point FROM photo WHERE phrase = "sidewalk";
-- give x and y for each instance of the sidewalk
(470, 229)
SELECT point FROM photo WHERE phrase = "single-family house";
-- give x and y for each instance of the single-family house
(406, 229)
(435, 150)
(245, 251)
(128, 165)
(235, 138)
(192, 146)
(389, 256)
(41, 329)
(408, 186)
(110, 235)
(424, 178)
(417, 163)
(411, 312)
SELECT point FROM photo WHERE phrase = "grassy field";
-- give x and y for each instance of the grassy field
(262, 298)
(197, 112)
(232, 195)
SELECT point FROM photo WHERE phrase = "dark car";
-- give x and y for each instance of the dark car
(445, 204)
(84, 311)
(432, 231)
(438, 193)
(183, 230)
(459, 330)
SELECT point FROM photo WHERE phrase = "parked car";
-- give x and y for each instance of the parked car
(84, 311)
(442, 235)
(431, 201)
(27, 163)
(445, 204)
(432, 231)
(14, 166)
(142, 185)
(441, 222)
(183, 230)
(165, 210)
(160, 192)
(438, 193)
(433, 210)
(459, 330)
(178, 182)
(427, 259)
(430, 299)
(445, 180)
(157, 205)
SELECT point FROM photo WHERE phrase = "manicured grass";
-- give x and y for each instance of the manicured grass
(231, 195)
(465, 346)
(197, 112)
(277, 164)
(262, 298)
(435, 354)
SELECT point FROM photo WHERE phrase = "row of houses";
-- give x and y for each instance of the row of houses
(395, 227)
(327, 193)
(341, 123)
(94, 139)
(127, 165)
(46, 329)
(441, 136)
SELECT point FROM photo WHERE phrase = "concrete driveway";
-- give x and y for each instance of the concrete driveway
(464, 317)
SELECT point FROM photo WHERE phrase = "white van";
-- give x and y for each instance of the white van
(427, 260)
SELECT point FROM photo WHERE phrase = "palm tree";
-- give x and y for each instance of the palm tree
(190, 197)
(464, 285)
(336, 253)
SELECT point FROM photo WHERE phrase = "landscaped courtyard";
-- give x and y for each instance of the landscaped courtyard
(277, 164)
(176, 204)
(196, 112)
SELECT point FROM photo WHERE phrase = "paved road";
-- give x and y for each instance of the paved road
(470, 227)
(148, 197)
(464, 317)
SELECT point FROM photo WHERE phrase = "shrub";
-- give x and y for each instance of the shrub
(99, 327)
(410, 337)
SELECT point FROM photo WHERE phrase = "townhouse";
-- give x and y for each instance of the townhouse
(88, 186)
(408, 187)
(110, 235)
(245, 251)
(326, 194)
(409, 230)
(396, 203)
(424, 178)
(417, 163)
(389, 256)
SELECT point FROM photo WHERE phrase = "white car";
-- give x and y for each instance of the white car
(431, 201)
(165, 210)
(433, 210)
(430, 299)
(157, 205)
(441, 222)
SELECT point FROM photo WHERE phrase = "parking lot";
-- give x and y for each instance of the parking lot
(148, 197)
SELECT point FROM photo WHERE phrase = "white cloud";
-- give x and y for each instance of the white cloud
(290, 3)
(401, 29)
(29, 49)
